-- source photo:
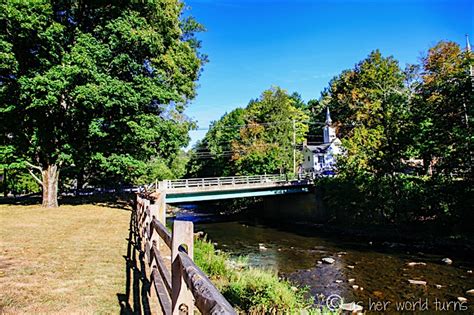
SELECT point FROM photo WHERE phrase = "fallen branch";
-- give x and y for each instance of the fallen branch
(35, 177)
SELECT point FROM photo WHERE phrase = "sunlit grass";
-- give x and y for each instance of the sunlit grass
(66, 260)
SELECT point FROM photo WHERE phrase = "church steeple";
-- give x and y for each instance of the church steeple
(329, 133)
(328, 117)
(468, 44)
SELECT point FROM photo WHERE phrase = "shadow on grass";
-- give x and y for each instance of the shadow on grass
(117, 201)
(137, 286)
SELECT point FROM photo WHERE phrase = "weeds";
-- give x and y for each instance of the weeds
(251, 290)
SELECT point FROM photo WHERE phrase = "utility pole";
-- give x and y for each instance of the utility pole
(471, 77)
(294, 147)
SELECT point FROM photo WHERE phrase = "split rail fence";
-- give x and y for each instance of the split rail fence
(185, 287)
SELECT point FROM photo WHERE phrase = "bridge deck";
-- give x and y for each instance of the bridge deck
(199, 189)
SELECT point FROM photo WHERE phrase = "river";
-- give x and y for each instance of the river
(375, 275)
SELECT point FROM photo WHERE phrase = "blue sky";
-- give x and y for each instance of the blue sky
(300, 45)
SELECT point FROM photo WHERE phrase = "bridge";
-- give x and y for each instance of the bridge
(185, 287)
(216, 188)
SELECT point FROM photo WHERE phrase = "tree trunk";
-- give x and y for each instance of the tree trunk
(5, 184)
(79, 182)
(50, 186)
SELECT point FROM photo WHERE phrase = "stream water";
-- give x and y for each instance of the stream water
(374, 275)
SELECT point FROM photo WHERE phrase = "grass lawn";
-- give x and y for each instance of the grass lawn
(68, 260)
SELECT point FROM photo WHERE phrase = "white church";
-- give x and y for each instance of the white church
(322, 158)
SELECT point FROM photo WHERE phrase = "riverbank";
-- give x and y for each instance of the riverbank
(251, 290)
(419, 235)
(364, 269)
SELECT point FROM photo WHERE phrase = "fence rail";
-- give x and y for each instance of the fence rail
(186, 286)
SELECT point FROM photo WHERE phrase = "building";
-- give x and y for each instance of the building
(323, 157)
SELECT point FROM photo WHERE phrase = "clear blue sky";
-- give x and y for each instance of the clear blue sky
(300, 45)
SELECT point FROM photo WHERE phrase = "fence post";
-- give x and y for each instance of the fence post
(153, 237)
(182, 297)
(160, 202)
(140, 209)
(142, 223)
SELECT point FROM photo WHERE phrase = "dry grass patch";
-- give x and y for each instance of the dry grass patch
(66, 260)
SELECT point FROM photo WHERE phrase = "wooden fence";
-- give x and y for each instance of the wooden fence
(186, 286)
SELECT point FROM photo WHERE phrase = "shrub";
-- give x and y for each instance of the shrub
(248, 289)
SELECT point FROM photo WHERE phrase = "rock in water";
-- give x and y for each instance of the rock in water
(413, 264)
(338, 281)
(462, 299)
(261, 247)
(447, 261)
(351, 307)
(199, 234)
(328, 260)
(420, 282)
(470, 292)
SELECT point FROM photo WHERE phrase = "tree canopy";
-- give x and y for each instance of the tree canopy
(370, 106)
(390, 120)
(254, 140)
(97, 89)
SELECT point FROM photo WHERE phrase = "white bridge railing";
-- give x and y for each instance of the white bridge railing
(223, 181)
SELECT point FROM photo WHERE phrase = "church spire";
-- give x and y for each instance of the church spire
(328, 117)
(468, 44)
(329, 133)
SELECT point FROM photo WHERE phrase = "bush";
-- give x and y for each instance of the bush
(249, 289)
(261, 291)
(397, 199)
(210, 263)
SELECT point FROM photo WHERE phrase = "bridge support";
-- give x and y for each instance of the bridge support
(304, 206)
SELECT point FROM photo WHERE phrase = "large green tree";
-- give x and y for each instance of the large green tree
(212, 156)
(255, 140)
(99, 87)
(443, 109)
(371, 109)
(386, 116)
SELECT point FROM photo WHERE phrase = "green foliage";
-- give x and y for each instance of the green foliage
(401, 199)
(370, 106)
(97, 88)
(386, 116)
(249, 289)
(443, 111)
(212, 155)
(254, 140)
(260, 291)
(212, 264)
(18, 182)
